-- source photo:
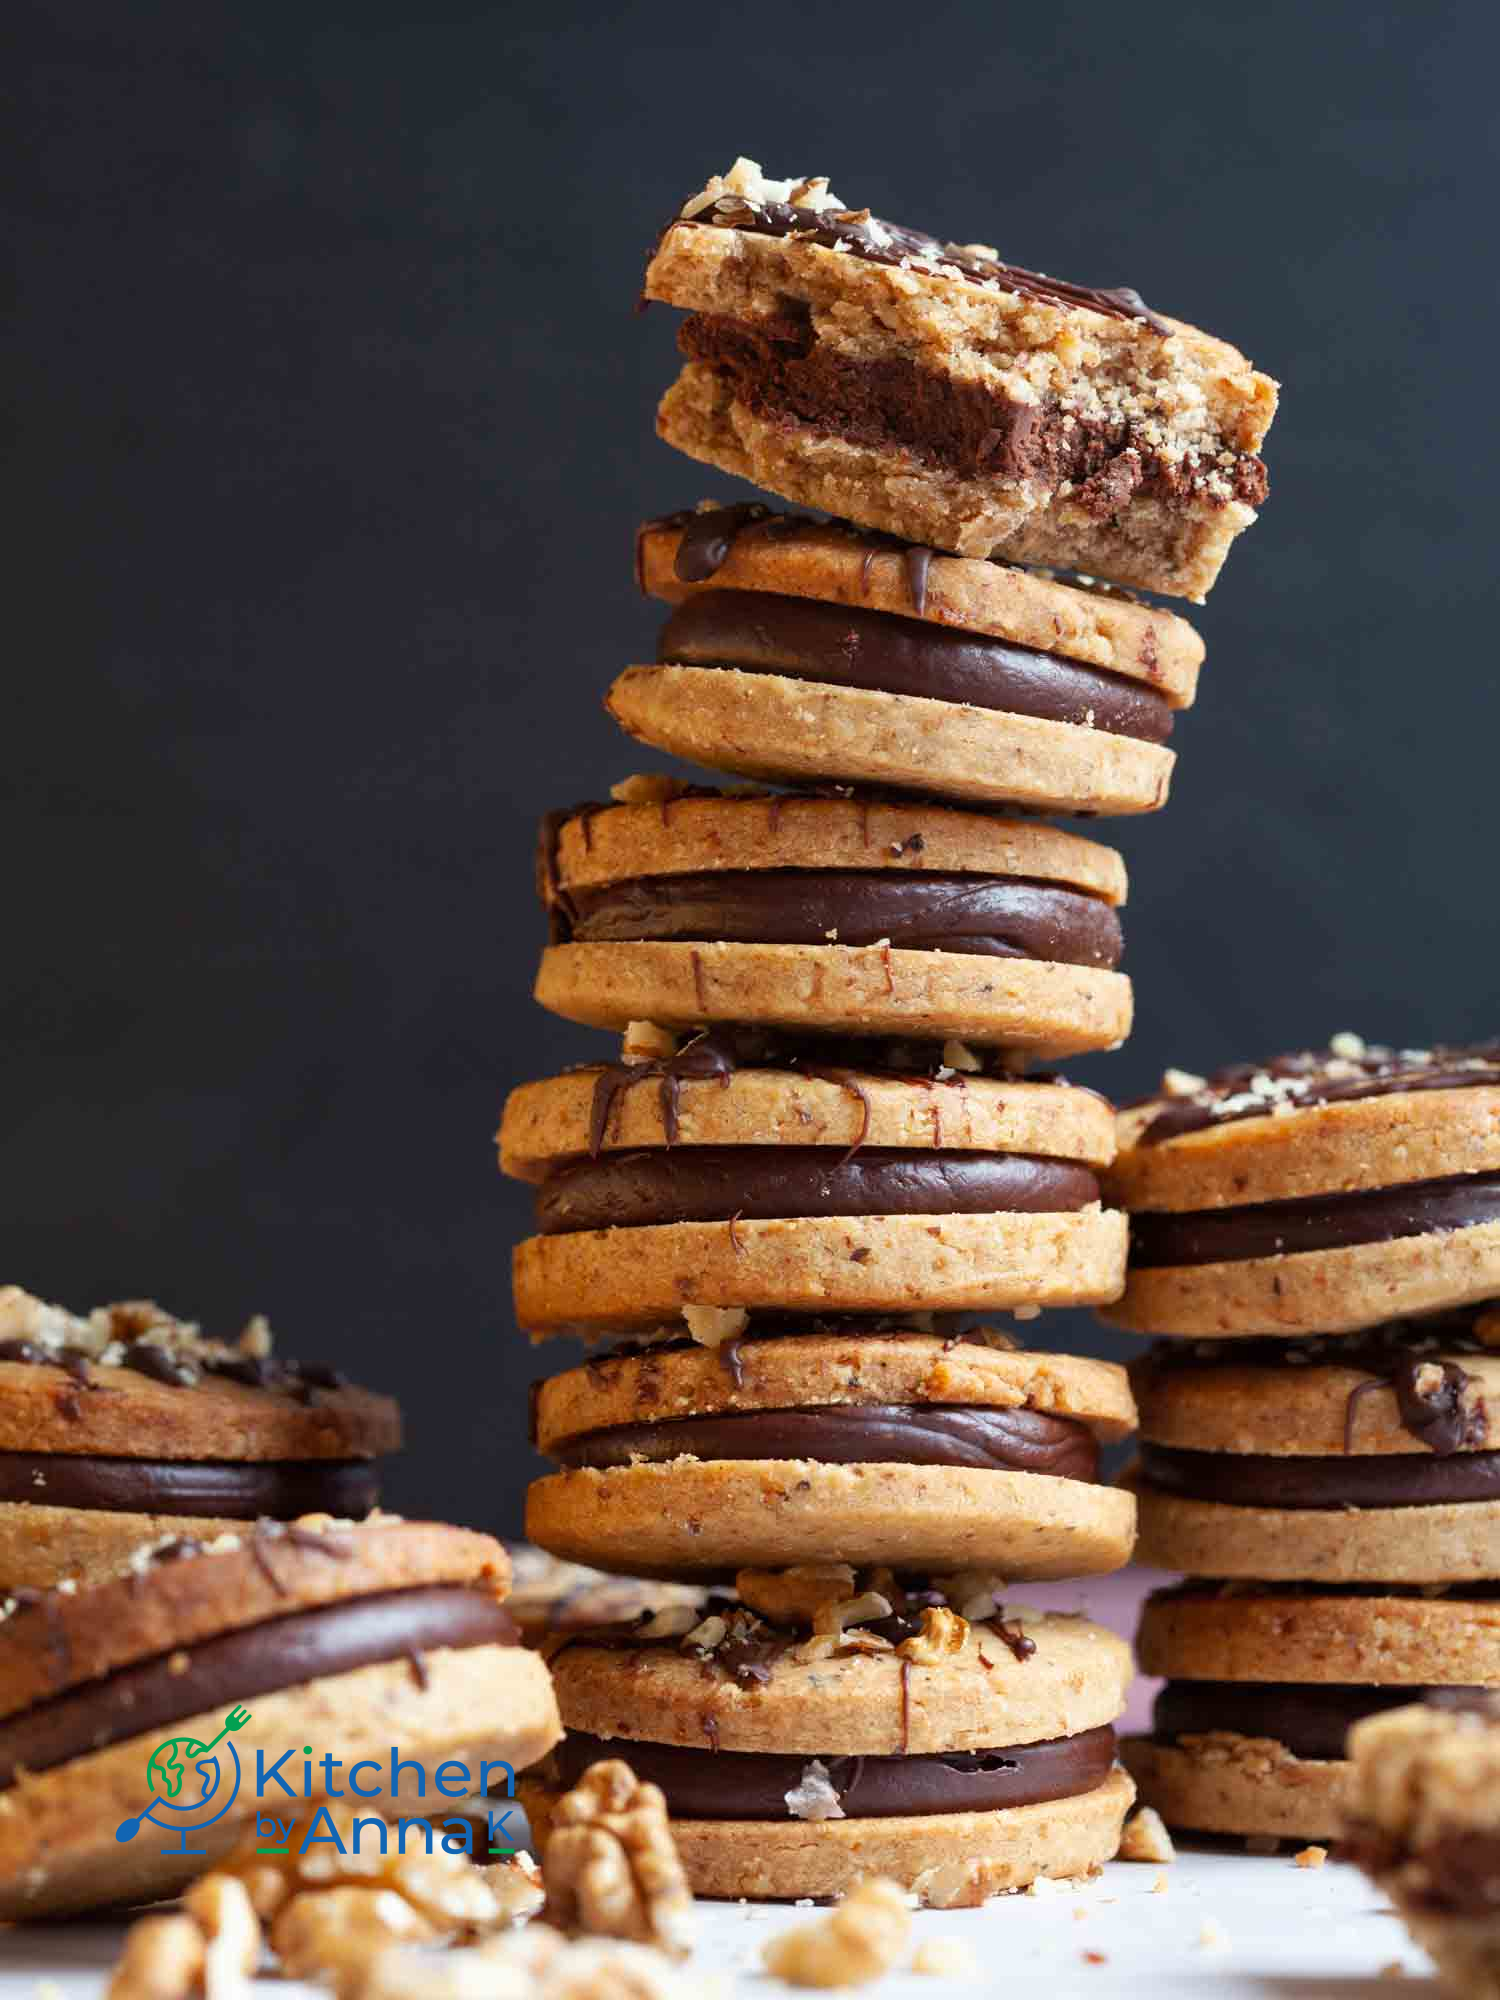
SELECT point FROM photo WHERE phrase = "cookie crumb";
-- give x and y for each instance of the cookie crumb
(1311, 1857)
(1146, 1838)
(1213, 1936)
(1094, 1958)
(946, 1958)
(1159, 1886)
(863, 1939)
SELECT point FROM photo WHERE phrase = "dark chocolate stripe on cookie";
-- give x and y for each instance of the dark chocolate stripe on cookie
(279, 1653)
(1312, 1719)
(780, 370)
(1323, 1222)
(218, 1490)
(981, 915)
(753, 1785)
(766, 1183)
(834, 644)
(855, 1434)
(1402, 1479)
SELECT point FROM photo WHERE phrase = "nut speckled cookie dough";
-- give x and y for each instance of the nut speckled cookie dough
(317, 1630)
(836, 1722)
(932, 391)
(127, 1423)
(1421, 1819)
(893, 1448)
(841, 916)
(1265, 1681)
(1354, 1458)
(1318, 1193)
(788, 665)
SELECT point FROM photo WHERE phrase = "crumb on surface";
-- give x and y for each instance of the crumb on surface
(1213, 1936)
(1311, 1857)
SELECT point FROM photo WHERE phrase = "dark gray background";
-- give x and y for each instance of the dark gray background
(333, 426)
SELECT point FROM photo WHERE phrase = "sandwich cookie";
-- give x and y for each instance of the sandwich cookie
(1318, 1193)
(805, 652)
(1423, 1821)
(893, 1448)
(549, 1596)
(1263, 1684)
(932, 390)
(846, 916)
(837, 1725)
(752, 1175)
(348, 1638)
(129, 1424)
(1360, 1458)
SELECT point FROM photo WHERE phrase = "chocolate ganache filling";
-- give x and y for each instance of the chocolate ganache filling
(753, 1785)
(757, 632)
(1322, 1222)
(986, 916)
(1247, 1479)
(764, 1183)
(985, 1440)
(227, 1491)
(1312, 1719)
(153, 1694)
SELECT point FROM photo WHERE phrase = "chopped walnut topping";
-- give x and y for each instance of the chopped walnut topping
(711, 1326)
(446, 1890)
(975, 1594)
(531, 1964)
(795, 1596)
(1146, 1838)
(648, 788)
(813, 1796)
(162, 1959)
(108, 1334)
(959, 1056)
(746, 180)
(1182, 1083)
(611, 1866)
(943, 1634)
(645, 1042)
(863, 1939)
(865, 1609)
(333, 1935)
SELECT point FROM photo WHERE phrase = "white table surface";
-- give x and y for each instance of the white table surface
(1288, 1933)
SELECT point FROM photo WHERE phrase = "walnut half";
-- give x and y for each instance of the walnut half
(611, 1867)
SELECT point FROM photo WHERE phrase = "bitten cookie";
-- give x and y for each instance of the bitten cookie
(806, 652)
(1423, 1821)
(768, 1176)
(129, 1424)
(1264, 1683)
(931, 390)
(894, 1448)
(318, 1636)
(837, 1724)
(1361, 1458)
(844, 916)
(1317, 1193)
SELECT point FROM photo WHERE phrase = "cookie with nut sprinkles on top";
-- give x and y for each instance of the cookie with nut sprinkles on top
(832, 1722)
(933, 391)
(1316, 1193)
(128, 1423)
(201, 1656)
(801, 651)
(795, 1436)
(846, 915)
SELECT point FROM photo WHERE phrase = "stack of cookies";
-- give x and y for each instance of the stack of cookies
(815, 1197)
(1316, 1241)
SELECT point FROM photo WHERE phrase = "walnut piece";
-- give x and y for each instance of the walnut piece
(162, 1959)
(445, 1889)
(648, 788)
(945, 1958)
(864, 1938)
(222, 1910)
(1310, 1857)
(942, 1635)
(795, 1596)
(1146, 1838)
(333, 1935)
(611, 1866)
(711, 1326)
(813, 1796)
(516, 1885)
(531, 1964)
(645, 1042)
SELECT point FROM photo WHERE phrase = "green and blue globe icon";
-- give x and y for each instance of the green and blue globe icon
(191, 1783)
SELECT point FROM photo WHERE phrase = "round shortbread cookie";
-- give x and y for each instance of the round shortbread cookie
(1315, 1291)
(830, 1370)
(842, 565)
(1352, 1639)
(858, 1705)
(946, 1860)
(777, 727)
(1455, 1543)
(1313, 1405)
(691, 833)
(1047, 1010)
(553, 1120)
(1222, 1783)
(59, 1852)
(691, 1517)
(608, 1278)
(1339, 1148)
